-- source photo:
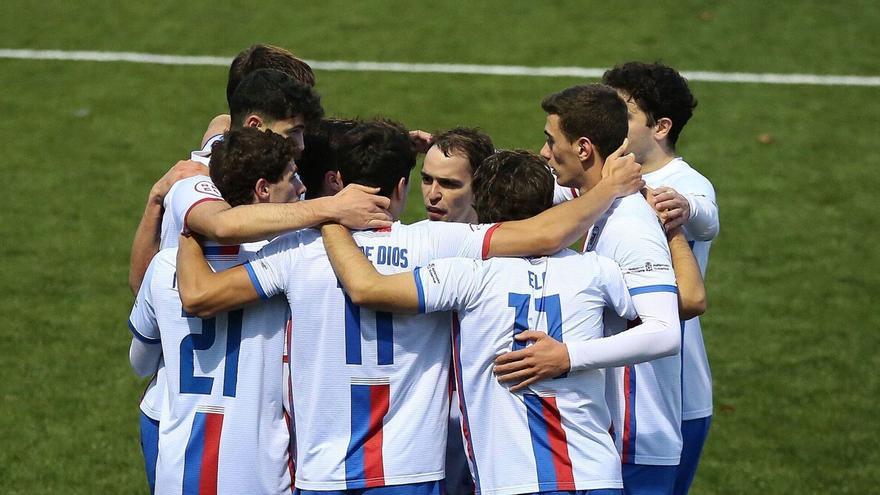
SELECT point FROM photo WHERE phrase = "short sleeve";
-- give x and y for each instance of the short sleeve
(460, 240)
(614, 289)
(638, 245)
(142, 320)
(187, 194)
(272, 267)
(447, 284)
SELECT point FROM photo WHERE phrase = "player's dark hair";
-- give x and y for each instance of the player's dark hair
(273, 95)
(262, 56)
(319, 155)
(512, 185)
(244, 156)
(593, 111)
(659, 91)
(474, 144)
(376, 154)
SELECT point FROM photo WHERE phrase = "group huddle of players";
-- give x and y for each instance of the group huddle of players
(470, 352)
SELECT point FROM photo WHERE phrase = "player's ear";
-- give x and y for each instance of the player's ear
(332, 182)
(662, 128)
(339, 179)
(253, 120)
(401, 189)
(583, 148)
(261, 190)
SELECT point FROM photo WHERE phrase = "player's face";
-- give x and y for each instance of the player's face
(561, 154)
(640, 133)
(446, 187)
(291, 129)
(289, 188)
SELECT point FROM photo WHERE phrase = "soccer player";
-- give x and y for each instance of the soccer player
(583, 124)
(447, 174)
(255, 57)
(266, 99)
(554, 436)
(448, 171)
(659, 105)
(222, 425)
(364, 386)
(319, 163)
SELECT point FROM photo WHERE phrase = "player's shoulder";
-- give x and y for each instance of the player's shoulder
(292, 239)
(576, 264)
(162, 268)
(632, 226)
(197, 185)
(680, 173)
(633, 208)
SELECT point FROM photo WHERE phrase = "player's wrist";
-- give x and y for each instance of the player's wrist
(607, 190)
(328, 209)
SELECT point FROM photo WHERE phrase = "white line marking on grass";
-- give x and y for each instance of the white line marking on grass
(495, 70)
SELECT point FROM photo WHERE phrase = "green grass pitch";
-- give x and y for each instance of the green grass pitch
(792, 331)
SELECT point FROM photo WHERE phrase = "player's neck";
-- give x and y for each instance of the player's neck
(657, 159)
(592, 175)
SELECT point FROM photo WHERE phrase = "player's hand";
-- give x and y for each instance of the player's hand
(673, 208)
(545, 358)
(180, 170)
(421, 141)
(623, 172)
(359, 207)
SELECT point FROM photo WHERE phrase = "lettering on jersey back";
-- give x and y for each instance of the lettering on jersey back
(386, 255)
(536, 282)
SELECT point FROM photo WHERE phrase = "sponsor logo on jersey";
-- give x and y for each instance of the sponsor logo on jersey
(206, 187)
(649, 267)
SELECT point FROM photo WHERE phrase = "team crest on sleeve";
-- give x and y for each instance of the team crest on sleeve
(206, 187)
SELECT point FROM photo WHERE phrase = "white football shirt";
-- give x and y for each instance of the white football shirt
(222, 428)
(370, 395)
(182, 196)
(645, 399)
(554, 436)
(699, 231)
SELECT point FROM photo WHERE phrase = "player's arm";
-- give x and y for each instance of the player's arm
(355, 206)
(657, 335)
(697, 212)
(218, 125)
(364, 285)
(144, 358)
(145, 350)
(691, 290)
(146, 238)
(562, 225)
(205, 293)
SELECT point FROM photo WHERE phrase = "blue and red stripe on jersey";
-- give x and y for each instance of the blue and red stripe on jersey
(222, 253)
(549, 443)
(364, 465)
(462, 403)
(628, 451)
(202, 454)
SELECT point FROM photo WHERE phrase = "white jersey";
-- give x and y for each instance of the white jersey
(554, 436)
(645, 399)
(182, 196)
(370, 394)
(222, 428)
(700, 230)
